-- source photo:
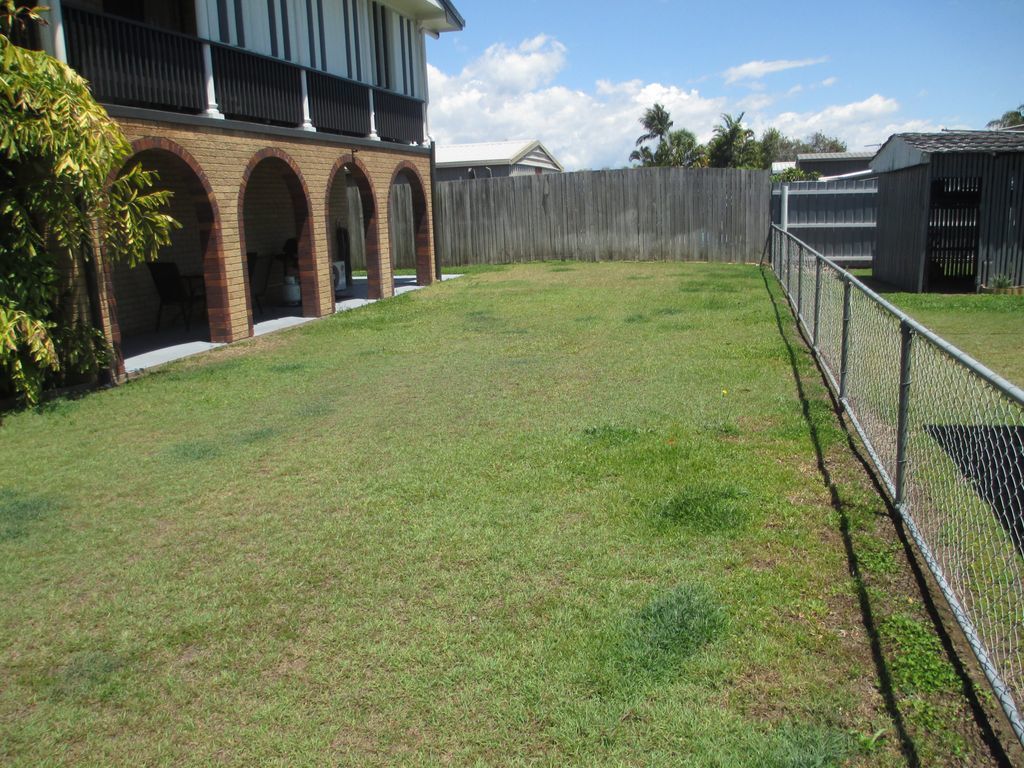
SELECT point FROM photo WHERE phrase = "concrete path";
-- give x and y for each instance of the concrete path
(352, 299)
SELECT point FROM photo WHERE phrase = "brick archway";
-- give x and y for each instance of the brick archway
(207, 214)
(360, 175)
(420, 221)
(298, 192)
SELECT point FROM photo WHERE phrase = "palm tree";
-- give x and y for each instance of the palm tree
(733, 145)
(656, 123)
(1011, 119)
(644, 156)
(681, 149)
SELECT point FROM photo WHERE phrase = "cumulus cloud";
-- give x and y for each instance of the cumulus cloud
(512, 92)
(756, 70)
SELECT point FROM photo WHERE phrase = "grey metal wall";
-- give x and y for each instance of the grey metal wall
(904, 203)
(836, 218)
(1001, 229)
(903, 200)
(633, 214)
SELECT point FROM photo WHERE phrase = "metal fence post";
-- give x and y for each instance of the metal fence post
(817, 300)
(800, 285)
(844, 358)
(789, 269)
(902, 426)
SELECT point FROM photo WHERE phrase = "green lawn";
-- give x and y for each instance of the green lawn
(549, 515)
(988, 327)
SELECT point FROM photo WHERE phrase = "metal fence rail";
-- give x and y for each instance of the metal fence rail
(946, 436)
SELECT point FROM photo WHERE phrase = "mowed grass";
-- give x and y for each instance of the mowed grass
(988, 327)
(548, 515)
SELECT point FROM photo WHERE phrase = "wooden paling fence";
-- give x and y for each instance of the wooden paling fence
(403, 244)
(664, 214)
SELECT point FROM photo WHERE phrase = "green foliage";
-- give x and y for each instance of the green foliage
(733, 145)
(919, 665)
(1009, 119)
(1002, 281)
(59, 150)
(678, 148)
(795, 174)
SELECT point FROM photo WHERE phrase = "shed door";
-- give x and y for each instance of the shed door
(953, 234)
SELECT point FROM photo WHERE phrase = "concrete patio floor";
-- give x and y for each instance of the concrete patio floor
(155, 349)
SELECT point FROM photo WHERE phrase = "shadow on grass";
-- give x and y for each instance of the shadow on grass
(884, 675)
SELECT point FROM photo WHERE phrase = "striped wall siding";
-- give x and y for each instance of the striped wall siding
(361, 40)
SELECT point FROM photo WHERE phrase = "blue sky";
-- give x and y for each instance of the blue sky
(577, 75)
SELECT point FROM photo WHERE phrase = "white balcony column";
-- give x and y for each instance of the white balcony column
(203, 28)
(373, 119)
(307, 122)
(59, 45)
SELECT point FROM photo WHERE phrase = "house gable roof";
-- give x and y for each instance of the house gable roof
(526, 151)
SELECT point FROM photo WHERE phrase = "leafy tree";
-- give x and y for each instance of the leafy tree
(776, 146)
(733, 145)
(820, 142)
(1011, 119)
(674, 148)
(795, 174)
(58, 151)
(657, 123)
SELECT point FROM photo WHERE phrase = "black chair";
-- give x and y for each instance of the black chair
(173, 289)
(252, 261)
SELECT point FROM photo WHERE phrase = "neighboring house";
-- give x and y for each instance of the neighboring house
(275, 123)
(496, 159)
(951, 212)
(834, 163)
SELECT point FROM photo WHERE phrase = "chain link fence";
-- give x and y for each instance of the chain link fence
(946, 436)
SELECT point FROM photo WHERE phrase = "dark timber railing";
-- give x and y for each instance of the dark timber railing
(134, 64)
(339, 106)
(399, 118)
(257, 88)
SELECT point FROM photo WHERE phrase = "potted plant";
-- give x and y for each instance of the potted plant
(1003, 284)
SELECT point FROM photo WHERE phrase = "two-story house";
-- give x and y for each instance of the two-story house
(281, 126)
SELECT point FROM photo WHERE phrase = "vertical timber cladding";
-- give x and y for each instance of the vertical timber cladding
(670, 214)
(223, 155)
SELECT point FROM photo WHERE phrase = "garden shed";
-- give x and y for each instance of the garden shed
(950, 206)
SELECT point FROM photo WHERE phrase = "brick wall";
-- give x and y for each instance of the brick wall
(269, 222)
(137, 301)
(222, 159)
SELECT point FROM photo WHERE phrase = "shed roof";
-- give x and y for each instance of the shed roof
(964, 141)
(903, 150)
(835, 155)
(526, 151)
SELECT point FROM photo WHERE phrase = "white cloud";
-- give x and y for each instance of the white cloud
(756, 70)
(828, 82)
(509, 93)
(513, 93)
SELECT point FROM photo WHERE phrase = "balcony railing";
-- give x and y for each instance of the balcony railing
(257, 88)
(399, 118)
(134, 64)
(337, 105)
